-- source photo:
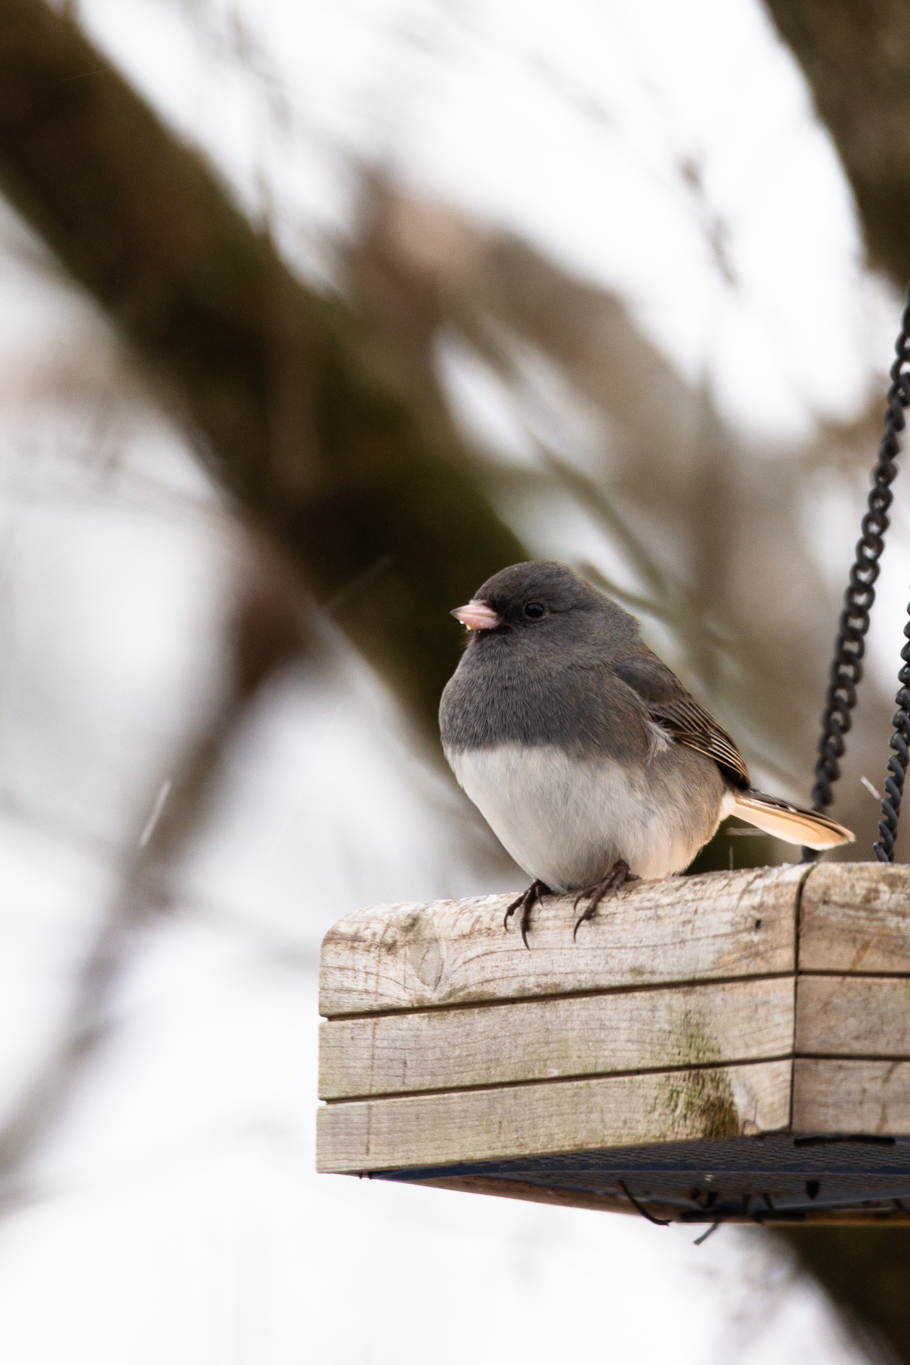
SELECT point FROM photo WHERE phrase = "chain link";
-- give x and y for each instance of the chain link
(850, 645)
(897, 763)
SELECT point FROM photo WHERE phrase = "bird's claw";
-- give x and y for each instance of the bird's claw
(615, 879)
(526, 901)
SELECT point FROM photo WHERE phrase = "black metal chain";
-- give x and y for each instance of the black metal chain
(850, 645)
(897, 763)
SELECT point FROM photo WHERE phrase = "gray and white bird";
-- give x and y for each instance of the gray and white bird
(583, 751)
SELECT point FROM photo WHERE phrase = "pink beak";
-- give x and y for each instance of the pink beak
(477, 616)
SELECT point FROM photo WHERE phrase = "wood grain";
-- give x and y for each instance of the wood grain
(721, 924)
(853, 1016)
(541, 1039)
(851, 1097)
(554, 1116)
(856, 917)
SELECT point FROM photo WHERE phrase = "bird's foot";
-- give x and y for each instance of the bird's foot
(616, 878)
(526, 902)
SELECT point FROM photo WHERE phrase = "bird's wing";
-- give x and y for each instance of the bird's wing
(676, 711)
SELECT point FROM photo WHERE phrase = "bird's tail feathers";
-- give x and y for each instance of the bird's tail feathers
(790, 823)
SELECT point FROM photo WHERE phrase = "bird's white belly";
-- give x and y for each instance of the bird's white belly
(567, 821)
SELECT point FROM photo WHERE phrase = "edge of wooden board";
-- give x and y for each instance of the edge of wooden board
(553, 1117)
(714, 1023)
(862, 1017)
(855, 917)
(681, 929)
(847, 1095)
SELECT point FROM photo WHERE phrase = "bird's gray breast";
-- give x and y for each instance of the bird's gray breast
(505, 692)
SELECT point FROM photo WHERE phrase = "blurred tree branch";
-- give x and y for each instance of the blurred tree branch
(299, 410)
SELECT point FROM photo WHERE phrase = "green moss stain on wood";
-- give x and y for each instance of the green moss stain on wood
(698, 1103)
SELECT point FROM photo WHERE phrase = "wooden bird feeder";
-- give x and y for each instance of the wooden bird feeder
(729, 1047)
(726, 1047)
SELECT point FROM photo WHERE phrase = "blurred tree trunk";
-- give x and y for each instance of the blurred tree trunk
(856, 57)
(299, 412)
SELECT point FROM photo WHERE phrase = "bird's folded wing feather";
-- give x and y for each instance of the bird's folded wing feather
(791, 823)
(677, 712)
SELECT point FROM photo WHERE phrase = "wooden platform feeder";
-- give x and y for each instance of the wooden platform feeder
(734, 1046)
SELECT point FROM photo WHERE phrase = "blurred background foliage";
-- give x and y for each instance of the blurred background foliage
(332, 415)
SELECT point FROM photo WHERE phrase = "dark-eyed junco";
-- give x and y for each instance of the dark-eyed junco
(584, 752)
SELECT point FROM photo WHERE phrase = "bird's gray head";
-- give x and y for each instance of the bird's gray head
(542, 600)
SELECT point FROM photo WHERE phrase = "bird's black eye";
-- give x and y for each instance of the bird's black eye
(535, 610)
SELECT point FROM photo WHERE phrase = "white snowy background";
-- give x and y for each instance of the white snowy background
(173, 1213)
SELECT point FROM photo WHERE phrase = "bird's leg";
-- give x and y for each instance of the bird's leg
(526, 901)
(617, 877)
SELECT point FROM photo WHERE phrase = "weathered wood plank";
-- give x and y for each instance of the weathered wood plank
(555, 1116)
(851, 1097)
(722, 924)
(855, 917)
(853, 1016)
(541, 1039)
